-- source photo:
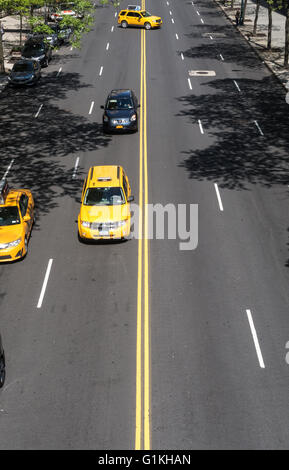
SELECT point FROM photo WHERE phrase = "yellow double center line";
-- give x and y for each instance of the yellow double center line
(142, 425)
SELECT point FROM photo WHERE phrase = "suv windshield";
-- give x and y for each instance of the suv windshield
(9, 215)
(119, 103)
(103, 197)
(145, 14)
(23, 67)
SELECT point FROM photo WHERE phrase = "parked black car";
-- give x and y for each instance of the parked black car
(37, 49)
(25, 72)
(2, 364)
(51, 38)
(120, 111)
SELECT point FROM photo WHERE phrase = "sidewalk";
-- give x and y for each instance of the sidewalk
(274, 58)
(10, 38)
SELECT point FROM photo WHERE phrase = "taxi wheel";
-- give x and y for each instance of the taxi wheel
(2, 371)
(147, 26)
(124, 24)
(26, 245)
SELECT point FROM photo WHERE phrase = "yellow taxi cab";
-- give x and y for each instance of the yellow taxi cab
(141, 18)
(105, 204)
(16, 220)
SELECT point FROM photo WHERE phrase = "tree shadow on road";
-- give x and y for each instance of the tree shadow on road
(44, 149)
(237, 155)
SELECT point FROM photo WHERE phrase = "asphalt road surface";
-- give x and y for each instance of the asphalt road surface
(198, 354)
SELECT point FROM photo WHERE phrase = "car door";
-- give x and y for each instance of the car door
(138, 19)
(130, 17)
(26, 209)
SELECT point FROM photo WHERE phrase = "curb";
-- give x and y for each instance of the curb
(254, 48)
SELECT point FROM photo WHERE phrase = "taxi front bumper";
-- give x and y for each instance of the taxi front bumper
(104, 233)
(12, 254)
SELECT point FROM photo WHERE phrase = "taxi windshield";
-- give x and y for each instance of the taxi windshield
(9, 215)
(145, 14)
(103, 197)
(119, 103)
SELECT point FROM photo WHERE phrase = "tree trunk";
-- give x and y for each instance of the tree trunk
(256, 17)
(2, 68)
(269, 40)
(286, 55)
(244, 10)
(21, 29)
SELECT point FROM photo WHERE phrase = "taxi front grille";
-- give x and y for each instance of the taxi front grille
(5, 257)
(104, 226)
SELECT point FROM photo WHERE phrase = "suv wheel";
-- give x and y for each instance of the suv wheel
(124, 24)
(147, 26)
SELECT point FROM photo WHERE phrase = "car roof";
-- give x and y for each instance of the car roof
(120, 93)
(110, 174)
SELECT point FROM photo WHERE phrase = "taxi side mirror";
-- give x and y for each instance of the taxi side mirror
(130, 199)
(26, 218)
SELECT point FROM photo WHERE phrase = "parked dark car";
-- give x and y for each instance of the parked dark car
(120, 111)
(37, 49)
(25, 72)
(65, 33)
(2, 364)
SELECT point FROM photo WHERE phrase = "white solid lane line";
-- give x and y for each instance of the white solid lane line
(75, 167)
(201, 127)
(45, 283)
(219, 197)
(190, 85)
(112, 28)
(107, 46)
(255, 338)
(237, 86)
(8, 169)
(177, 36)
(101, 70)
(38, 112)
(91, 107)
(59, 72)
(259, 128)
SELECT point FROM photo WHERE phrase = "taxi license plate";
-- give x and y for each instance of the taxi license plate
(119, 127)
(103, 233)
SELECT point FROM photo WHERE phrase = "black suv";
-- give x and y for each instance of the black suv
(2, 364)
(120, 111)
(37, 49)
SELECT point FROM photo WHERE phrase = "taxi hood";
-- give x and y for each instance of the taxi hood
(104, 213)
(9, 233)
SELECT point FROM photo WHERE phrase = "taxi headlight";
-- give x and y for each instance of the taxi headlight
(11, 244)
(105, 118)
(85, 224)
(133, 117)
